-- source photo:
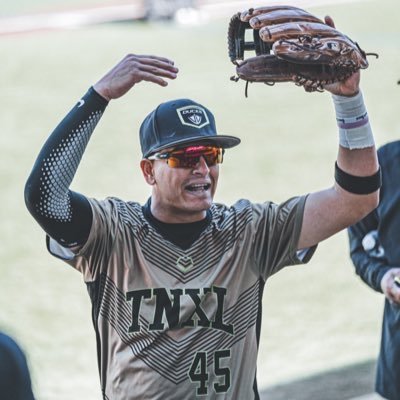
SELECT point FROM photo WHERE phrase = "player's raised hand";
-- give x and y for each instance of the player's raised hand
(133, 69)
(348, 87)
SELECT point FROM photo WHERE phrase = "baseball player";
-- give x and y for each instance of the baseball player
(176, 284)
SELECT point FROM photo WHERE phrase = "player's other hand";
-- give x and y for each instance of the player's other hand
(389, 287)
(133, 69)
(350, 86)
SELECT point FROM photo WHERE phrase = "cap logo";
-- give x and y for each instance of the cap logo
(193, 116)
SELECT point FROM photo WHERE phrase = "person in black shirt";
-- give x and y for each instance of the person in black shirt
(375, 252)
(15, 381)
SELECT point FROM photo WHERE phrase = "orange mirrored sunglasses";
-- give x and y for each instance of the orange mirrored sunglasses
(188, 157)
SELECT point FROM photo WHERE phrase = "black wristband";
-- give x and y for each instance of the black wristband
(358, 184)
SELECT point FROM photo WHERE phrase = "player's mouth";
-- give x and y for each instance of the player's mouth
(198, 187)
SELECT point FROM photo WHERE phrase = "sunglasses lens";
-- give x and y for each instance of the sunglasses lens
(190, 156)
(181, 161)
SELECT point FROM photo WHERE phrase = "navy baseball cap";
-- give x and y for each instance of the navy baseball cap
(180, 122)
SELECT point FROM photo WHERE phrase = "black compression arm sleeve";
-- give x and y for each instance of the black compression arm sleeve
(65, 215)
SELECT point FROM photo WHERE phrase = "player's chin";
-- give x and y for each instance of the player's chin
(199, 200)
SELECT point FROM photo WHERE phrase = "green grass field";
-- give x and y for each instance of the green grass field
(316, 317)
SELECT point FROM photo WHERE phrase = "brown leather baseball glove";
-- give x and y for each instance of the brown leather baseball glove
(291, 45)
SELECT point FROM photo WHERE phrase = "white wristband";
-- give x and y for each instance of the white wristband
(352, 118)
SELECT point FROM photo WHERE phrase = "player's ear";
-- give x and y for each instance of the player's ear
(148, 171)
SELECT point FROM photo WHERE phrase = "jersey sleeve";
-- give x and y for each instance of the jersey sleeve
(366, 253)
(92, 258)
(276, 235)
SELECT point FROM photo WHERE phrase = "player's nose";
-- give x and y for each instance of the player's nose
(201, 167)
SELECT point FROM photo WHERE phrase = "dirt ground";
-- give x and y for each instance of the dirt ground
(355, 381)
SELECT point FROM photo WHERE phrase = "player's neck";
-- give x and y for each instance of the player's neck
(174, 215)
